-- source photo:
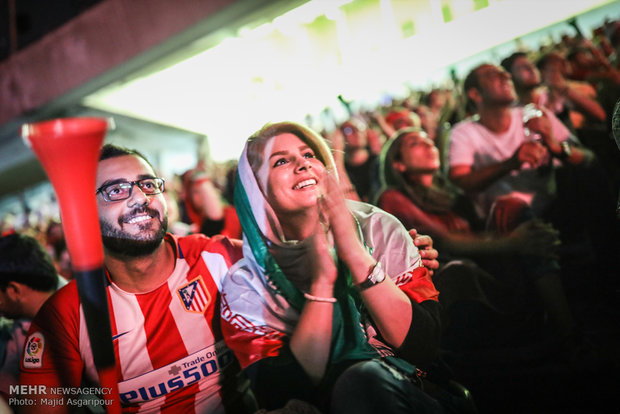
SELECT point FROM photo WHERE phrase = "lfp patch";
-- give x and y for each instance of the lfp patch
(194, 296)
(33, 355)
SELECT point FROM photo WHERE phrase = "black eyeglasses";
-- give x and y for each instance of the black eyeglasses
(122, 191)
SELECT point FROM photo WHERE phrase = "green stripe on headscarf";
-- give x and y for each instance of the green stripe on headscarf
(259, 248)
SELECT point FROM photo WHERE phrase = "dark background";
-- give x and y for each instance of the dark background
(34, 18)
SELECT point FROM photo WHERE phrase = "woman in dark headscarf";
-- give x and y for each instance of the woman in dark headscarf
(506, 266)
(419, 196)
(331, 303)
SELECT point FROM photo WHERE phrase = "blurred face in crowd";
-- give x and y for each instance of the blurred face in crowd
(294, 175)
(583, 59)
(418, 154)
(135, 226)
(399, 120)
(437, 98)
(496, 86)
(555, 68)
(524, 74)
(54, 233)
(428, 121)
(353, 137)
(173, 207)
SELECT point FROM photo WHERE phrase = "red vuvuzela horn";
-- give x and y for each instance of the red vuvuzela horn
(69, 149)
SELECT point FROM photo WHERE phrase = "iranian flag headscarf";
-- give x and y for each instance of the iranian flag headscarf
(264, 240)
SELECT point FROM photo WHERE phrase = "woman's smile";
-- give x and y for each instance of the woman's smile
(305, 184)
(294, 175)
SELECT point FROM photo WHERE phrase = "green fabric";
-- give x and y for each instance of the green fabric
(348, 338)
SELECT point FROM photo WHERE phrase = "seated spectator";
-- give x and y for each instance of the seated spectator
(493, 155)
(205, 207)
(577, 104)
(577, 99)
(397, 118)
(546, 85)
(573, 102)
(517, 257)
(361, 158)
(588, 64)
(56, 247)
(27, 279)
(437, 108)
(175, 225)
(163, 298)
(613, 34)
(339, 329)
(499, 154)
(337, 144)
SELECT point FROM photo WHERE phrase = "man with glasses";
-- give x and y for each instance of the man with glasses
(163, 303)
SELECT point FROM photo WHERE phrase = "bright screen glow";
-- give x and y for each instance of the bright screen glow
(299, 63)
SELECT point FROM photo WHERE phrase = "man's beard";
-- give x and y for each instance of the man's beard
(118, 241)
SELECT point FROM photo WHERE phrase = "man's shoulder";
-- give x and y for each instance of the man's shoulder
(205, 242)
(465, 126)
(61, 309)
(66, 296)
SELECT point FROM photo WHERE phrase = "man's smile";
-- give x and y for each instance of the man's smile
(139, 218)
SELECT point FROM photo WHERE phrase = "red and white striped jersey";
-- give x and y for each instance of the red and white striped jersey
(170, 355)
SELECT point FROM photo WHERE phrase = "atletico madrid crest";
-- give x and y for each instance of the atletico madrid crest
(194, 296)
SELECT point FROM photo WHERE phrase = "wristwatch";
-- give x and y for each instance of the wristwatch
(376, 276)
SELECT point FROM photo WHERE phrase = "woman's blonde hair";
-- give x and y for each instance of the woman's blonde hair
(258, 141)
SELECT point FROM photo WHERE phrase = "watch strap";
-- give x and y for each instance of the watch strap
(375, 277)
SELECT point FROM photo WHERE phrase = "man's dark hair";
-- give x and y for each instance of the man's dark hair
(472, 80)
(112, 151)
(510, 60)
(23, 260)
(575, 51)
(548, 58)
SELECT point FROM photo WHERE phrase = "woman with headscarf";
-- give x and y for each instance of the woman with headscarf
(504, 269)
(330, 304)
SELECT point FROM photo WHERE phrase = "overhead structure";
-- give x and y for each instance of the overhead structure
(176, 73)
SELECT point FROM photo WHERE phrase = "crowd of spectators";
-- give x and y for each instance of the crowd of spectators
(440, 160)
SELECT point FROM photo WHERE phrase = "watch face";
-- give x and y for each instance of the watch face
(377, 274)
